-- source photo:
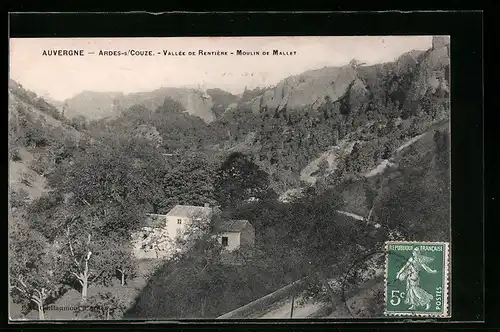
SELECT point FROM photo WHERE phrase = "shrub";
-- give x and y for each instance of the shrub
(14, 154)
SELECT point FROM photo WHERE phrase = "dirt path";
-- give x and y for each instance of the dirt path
(380, 168)
(352, 215)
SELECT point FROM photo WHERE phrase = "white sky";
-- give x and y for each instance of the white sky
(62, 77)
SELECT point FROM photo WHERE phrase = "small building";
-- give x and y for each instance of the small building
(233, 234)
(157, 238)
(181, 216)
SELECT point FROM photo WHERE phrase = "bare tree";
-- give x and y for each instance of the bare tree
(80, 262)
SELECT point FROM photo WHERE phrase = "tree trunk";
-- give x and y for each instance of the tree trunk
(107, 313)
(41, 314)
(85, 281)
(85, 286)
(123, 279)
(203, 300)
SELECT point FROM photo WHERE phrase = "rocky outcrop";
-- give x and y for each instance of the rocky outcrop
(96, 105)
(433, 72)
(311, 88)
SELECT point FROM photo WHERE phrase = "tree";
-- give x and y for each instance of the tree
(238, 179)
(80, 252)
(149, 133)
(416, 127)
(190, 181)
(18, 198)
(47, 216)
(116, 260)
(88, 253)
(105, 306)
(37, 135)
(108, 186)
(79, 122)
(371, 195)
(157, 240)
(34, 270)
(327, 243)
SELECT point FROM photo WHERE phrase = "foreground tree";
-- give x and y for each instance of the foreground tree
(80, 253)
(34, 271)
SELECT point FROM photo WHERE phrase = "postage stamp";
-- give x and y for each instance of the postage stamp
(417, 277)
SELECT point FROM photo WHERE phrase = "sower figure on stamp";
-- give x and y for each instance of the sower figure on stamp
(416, 296)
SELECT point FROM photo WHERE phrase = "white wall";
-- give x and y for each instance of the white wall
(172, 225)
(233, 240)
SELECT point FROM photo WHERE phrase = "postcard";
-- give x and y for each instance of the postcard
(229, 178)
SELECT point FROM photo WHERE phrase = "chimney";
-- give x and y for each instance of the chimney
(207, 205)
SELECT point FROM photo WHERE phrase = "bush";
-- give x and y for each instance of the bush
(40, 165)
(14, 154)
(104, 306)
(27, 178)
(18, 198)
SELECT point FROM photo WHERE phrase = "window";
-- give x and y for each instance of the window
(225, 241)
(179, 221)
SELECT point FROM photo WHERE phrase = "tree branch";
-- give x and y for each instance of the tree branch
(20, 279)
(36, 300)
(24, 291)
(96, 276)
(80, 279)
(71, 248)
(85, 201)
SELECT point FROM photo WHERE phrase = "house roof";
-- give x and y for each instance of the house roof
(233, 225)
(190, 211)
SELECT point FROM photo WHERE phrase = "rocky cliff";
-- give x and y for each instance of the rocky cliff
(433, 75)
(314, 87)
(310, 88)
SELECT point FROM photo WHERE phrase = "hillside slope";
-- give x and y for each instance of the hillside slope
(37, 135)
(97, 105)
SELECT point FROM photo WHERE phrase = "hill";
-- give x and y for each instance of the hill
(98, 105)
(38, 137)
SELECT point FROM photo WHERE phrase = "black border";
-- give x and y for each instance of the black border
(466, 31)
